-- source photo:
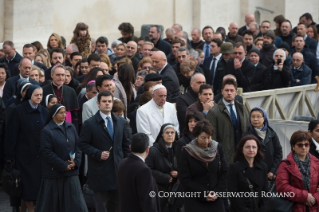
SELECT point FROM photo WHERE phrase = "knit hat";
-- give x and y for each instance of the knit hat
(255, 50)
(227, 48)
(153, 77)
(284, 45)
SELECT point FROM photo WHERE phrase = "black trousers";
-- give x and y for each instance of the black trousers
(106, 201)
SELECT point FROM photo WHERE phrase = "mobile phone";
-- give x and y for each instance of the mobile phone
(278, 61)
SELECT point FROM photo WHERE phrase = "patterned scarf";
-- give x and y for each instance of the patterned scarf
(205, 155)
(304, 167)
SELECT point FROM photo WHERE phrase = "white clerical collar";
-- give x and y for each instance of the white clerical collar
(316, 144)
(56, 85)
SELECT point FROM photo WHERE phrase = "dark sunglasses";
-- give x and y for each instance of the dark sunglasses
(300, 145)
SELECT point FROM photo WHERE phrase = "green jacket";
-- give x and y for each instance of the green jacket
(223, 127)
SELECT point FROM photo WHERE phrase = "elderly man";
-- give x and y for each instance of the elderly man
(233, 35)
(170, 80)
(65, 94)
(146, 48)
(152, 115)
(131, 49)
(279, 73)
(170, 35)
(249, 18)
(25, 67)
(188, 98)
(71, 48)
(301, 73)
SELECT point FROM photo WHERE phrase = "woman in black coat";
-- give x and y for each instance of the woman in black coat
(60, 161)
(271, 147)
(22, 142)
(248, 174)
(313, 129)
(203, 169)
(191, 119)
(162, 161)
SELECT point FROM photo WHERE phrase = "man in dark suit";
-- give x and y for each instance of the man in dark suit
(155, 36)
(105, 138)
(135, 180)
(56, 55)
(28, 52)
(310, 42)
(11, 57)
(240, 67)
(170, 80)
(212, 61)
(249, 18)
(25, 67)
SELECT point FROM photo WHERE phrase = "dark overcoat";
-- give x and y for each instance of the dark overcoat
(197, 176)
(94, 139)
(22, 144)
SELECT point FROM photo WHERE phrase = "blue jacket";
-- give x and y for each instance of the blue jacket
(303, 74)
(55, 149)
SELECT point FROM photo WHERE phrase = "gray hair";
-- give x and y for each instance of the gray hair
(90, 86)
(158, 28)
(93, 41)
(193, 53)
(183, 48)
(284, 53)
(170, 30)
(179, 27)
(57, 66)
(74, 47)
(192, 77)
(115, 43)
(254, 24)
(141, 73)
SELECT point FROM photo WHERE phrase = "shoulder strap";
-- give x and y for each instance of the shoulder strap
(252, 190)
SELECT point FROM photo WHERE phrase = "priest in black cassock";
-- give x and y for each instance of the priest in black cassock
(65, 94)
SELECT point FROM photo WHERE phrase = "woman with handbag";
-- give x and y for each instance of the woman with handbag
(22, 141)
(203, 170)
(248, 175)
(300, 176)
(61, 157)
(162, 161)
(270, 145)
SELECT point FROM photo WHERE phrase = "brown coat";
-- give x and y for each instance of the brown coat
(196, 107)
(222, 123)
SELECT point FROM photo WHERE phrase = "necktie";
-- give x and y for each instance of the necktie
(109, 126)
(232, 115)
(207, 51)
(213, 69)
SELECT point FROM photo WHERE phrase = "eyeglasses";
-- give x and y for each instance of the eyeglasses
(300, 145)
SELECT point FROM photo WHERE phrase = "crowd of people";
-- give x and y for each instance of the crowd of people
(147, 114)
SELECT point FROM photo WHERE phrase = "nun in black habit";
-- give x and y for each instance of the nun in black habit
(22, 142)
(61, 157)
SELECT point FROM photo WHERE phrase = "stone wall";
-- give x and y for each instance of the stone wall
(25, 21)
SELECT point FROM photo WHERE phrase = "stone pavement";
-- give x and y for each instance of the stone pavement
(4, 202)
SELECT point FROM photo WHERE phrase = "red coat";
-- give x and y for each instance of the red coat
(296, 186)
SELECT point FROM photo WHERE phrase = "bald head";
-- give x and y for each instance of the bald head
(25, 67)
(177, 27)
(131, 49)
(233, 29)
(297, 59)
(70, 49)
(196, 34)
(196, 81)
(159, 60)
(170, 34)
(249, 18)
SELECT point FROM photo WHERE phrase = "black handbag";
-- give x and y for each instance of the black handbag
(88, 195)
(11, 180)
(278, 204)
(177, 200)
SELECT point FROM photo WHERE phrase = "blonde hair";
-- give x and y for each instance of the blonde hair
(48, 60)
(106, 59)
(59, 41)
(187, 66)
(44, 59)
